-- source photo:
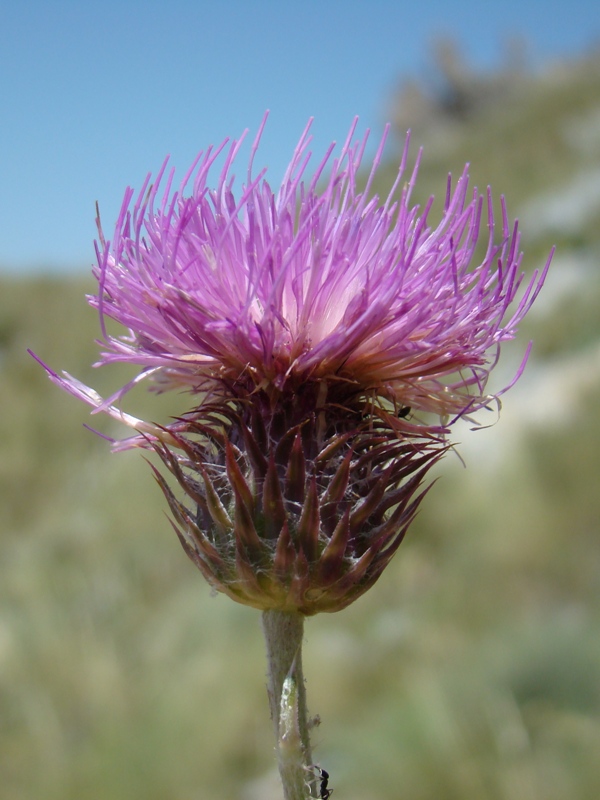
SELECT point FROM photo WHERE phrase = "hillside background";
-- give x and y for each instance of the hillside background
(470, 672)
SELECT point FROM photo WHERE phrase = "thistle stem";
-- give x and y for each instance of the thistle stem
(283, 632)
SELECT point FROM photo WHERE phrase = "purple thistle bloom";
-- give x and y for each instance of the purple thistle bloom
(327, 340)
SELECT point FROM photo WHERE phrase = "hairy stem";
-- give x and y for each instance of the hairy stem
(283, 632)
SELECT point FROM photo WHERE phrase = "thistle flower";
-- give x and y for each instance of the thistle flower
(327, 340)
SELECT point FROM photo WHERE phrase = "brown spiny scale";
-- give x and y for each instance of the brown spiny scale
(332, 557)
(273, 505)
(295, 476)
(393, 529)
(246, 577)
(245, 532)
(285, 555)
(285, 443)
(336, 488)
(350, 584)
(395, 499)
(299, 583)
(173, 465)
(217, 510)
(370, 500)
(256, 421)
(237, 480)
(336, 444)
(209, 569)
(308, 525)
(256, 454)
(197, 546)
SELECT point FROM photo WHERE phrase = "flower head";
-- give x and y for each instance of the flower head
(317, 330)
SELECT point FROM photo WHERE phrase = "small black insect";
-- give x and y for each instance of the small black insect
(404, 412)
(323, 776)
(325, 792)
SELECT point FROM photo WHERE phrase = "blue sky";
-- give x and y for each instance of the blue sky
(95, 94)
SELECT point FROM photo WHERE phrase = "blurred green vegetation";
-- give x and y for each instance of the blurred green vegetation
(470, 672)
